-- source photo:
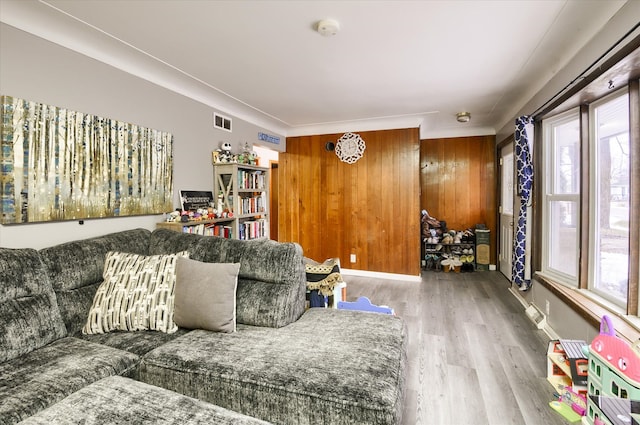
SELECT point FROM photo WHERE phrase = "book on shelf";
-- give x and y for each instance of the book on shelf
(252, 229)
(251, 179)
(210, 229)
(197, 229)
(253, 204)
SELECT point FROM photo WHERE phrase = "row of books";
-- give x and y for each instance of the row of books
(251, 179)
(211, 229)
(246, 230)
(253, 229)
(253, 205)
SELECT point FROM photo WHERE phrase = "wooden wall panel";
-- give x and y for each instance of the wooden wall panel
(458, 179)
(370, 208)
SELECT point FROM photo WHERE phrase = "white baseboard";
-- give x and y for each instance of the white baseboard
(381, 275)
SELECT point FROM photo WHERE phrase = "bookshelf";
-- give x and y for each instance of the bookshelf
(245, 192)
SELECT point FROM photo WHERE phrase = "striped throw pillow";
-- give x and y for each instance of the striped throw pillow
(137, 293)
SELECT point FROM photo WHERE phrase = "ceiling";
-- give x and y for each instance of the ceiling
(393, 63)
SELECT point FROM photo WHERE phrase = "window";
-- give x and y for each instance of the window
(609, 226)
(562, 197)
(607, 242)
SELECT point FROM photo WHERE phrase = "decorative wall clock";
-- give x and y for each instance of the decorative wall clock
(350, 147)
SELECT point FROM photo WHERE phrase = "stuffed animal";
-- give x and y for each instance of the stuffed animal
(224, 153)
(173, 216)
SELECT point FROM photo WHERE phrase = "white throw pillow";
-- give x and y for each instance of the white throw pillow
(137, 293)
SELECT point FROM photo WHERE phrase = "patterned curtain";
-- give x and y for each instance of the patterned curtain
(521, 272)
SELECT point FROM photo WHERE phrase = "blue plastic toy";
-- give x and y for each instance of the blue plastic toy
(364, 304)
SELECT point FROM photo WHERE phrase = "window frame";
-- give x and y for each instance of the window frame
(593, 199)
(549, 196)
(583, 301)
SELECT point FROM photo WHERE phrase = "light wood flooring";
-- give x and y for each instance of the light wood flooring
(473, 355)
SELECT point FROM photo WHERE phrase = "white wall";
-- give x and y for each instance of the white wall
(34, 69)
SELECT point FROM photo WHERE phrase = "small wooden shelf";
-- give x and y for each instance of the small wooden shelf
(172, 225)
(200, 227)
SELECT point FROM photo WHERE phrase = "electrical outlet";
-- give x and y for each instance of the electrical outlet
(546, 307)
(353, 258)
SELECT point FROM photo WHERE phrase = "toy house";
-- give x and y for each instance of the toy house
(613, 380)
(567, 366)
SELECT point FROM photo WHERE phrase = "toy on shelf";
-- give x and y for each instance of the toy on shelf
(222, 154)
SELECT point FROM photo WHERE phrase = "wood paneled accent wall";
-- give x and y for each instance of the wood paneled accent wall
(459, 182)
(370, 208)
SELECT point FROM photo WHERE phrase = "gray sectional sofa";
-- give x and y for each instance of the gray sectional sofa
(283, 364)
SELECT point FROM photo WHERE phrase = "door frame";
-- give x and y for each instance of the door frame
(505, 258)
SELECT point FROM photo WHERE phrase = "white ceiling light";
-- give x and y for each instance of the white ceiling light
(328, 27)
(463, 116)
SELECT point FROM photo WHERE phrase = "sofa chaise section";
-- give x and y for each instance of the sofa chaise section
(118, 400)
(330, 367)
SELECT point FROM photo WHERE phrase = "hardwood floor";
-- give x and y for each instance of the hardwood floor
(473, 355)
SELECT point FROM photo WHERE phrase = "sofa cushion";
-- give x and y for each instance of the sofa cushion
(271, 281)
(206, 295)
(140, 342)
(29, 314)
(75, 270)
(43, 377)
(118, 400)
(164, 241)
(330, 367)
(137, 294)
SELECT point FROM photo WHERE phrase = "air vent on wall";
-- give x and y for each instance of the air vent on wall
(536, 316)
(221, 122)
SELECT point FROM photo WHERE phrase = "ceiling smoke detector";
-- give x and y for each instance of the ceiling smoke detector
(328, 27)
(463, 116)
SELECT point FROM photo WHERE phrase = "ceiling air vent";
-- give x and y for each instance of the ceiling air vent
(221, 122)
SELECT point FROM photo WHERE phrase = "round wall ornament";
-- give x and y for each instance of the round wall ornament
(350, 147)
